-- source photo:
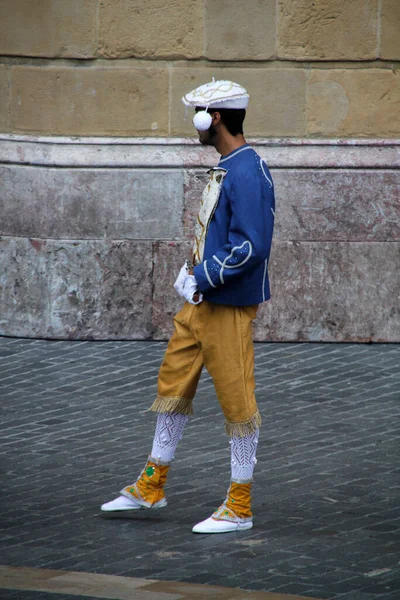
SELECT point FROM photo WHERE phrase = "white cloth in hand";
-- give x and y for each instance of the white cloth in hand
(180, 280)
(190, 288)
(186, 286)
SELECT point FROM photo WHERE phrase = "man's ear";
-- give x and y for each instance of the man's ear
(216, 118)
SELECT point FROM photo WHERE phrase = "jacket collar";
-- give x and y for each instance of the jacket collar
(225, 160)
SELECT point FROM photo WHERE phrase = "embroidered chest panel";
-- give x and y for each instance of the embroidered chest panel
(209, 203)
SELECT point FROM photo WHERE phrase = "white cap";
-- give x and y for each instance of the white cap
(218, 94)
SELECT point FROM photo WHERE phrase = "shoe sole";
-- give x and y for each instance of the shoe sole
(157, 505)
(242, 527)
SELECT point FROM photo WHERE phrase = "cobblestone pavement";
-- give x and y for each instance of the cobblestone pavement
(75, 429)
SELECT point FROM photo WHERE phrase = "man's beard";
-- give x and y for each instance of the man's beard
(209, 139)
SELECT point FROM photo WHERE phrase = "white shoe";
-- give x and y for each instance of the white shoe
(212, 525)
(123, 503)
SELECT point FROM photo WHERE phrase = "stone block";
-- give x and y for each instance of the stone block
(337, 205)
(24, 291)
(390, 30)
(327, 29)
(168, 258)
(239, 30)
(332, 292)
(90, 100)
(156, 29)
(93, 289)
(4, 99)
(48, 28)
(194, 183)
(354, 102)
(91, 203)
(277, 99)
(188, 153)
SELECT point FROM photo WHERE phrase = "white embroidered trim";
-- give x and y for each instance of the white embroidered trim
(231, 254)
(219, 515)
(224, 266)
(169, 430)
(235, 153)
(207, 275)
(209, 202)
(243, 457)
(221, 270)
(265, 175)
(265, 275)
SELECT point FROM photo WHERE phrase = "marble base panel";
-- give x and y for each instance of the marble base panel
(93, 232)
(332, 292)
(168, 258)
(323, 204)
(87, 289)
(91, 203)
(338, 204)
(321, 291)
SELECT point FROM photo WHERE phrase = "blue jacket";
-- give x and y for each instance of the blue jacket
(234, 267)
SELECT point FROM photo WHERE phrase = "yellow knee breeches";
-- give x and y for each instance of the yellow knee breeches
(218, 337)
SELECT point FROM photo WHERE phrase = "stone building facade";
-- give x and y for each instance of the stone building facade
(100, 175)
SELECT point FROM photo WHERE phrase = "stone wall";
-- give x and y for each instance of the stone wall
(120, 67)
(95, 231)
(100, 178)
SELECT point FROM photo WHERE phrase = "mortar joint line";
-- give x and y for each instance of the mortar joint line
(97, 27)
(378, 29)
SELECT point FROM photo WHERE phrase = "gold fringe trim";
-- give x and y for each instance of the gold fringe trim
(183, 406)
(160, 463)
(243, 428)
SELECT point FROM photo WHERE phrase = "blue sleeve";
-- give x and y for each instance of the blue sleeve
(250, 231)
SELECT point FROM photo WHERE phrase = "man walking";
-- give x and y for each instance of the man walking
(223, 284)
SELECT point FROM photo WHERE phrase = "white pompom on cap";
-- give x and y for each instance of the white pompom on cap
(202, 120)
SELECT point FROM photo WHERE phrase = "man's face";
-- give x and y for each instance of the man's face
(208, 137)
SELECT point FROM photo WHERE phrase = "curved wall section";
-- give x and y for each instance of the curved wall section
(94, 230)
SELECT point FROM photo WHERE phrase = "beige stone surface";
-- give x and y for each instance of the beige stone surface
(90, 100)
(123, 588)
(277, 99)
(239, 30)
(105, 586)
(327, 29)
(12, 575)
(354, 102)
(156, 29)
(77, 583)
(4, 99)
(197, 591)
(48, 28)
(390, 30)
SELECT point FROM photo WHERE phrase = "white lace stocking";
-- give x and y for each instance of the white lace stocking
(243, 457)
(169, 429)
